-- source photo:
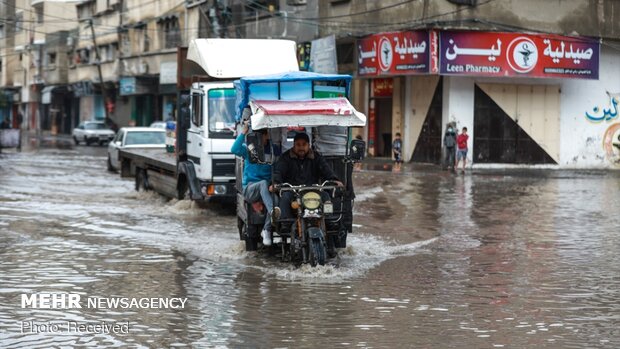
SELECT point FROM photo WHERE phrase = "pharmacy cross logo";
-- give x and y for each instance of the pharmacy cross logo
(385, 54)
(522, 54)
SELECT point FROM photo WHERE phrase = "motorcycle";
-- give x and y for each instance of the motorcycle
(322, 213)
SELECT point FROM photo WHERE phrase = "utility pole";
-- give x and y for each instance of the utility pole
(98, 58)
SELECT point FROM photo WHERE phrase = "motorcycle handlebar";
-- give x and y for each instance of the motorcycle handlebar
(300, 188)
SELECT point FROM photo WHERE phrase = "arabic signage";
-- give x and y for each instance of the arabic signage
(396, 53)
(517, 54)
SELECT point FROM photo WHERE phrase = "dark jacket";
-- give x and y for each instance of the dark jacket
(313, 169)
(449, 139)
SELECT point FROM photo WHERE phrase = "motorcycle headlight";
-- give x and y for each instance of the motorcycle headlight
(311, 200)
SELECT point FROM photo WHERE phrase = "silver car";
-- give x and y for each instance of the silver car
(92, 132)
(134, 137)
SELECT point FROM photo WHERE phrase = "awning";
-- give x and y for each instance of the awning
(46, 94)
(233, 58)
(308, 113)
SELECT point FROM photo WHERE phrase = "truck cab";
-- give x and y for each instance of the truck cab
(206, 170)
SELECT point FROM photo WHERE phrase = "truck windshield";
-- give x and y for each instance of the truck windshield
(221, 111)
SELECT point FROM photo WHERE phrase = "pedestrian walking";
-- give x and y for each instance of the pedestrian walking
(397, 148)
(461, 153)
(449, 141)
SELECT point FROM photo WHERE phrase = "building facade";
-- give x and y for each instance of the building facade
(558, 120)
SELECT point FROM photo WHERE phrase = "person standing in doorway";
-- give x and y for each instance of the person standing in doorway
(397, 148)
(461, 153)
(449, 141)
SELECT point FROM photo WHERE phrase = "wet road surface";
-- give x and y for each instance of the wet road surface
(484, 260)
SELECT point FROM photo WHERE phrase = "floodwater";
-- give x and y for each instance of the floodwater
(483, 260)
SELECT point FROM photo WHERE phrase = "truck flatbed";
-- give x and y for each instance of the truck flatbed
(146, 158)
(159, 166)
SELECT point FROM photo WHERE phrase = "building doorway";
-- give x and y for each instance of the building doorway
(380, 117)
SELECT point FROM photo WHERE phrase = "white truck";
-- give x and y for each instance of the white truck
(203, 168)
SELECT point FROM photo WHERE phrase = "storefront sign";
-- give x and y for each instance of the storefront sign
(382, 87)
(137, 86)
(397, 53)
(517, 54)
(168, 73)
(323, 55)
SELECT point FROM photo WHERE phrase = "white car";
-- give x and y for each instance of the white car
(92, 132)
(134, 137)
(159, 124)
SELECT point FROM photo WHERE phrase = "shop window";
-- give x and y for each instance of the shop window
(499, 139)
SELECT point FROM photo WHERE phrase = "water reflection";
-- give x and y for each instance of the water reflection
(438, 260)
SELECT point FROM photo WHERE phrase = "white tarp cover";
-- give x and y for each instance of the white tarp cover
(308, 113)
(234, 58)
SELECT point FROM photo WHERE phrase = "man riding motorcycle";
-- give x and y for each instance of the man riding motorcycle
(300, 165)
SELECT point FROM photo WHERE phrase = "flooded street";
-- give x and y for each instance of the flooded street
(493, 259)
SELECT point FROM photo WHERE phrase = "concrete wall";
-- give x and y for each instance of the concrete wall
(600, 18)
(581, 141)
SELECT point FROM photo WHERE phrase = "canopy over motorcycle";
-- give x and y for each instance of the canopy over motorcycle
(291, 86)
(316, 104)
(308, 113)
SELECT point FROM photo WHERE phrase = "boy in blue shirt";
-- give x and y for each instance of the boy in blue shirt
(256, 179)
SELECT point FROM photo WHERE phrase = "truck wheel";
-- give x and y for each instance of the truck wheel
(110, 168)
(183, 189)
(142, 183)
(251, 238)
(331, 246)
(76, 140)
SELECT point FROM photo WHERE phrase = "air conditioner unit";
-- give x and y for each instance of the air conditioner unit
(296, 2)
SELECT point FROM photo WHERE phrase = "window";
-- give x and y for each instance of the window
(83, 56)
(141, 37)
(51, 58)
(222, 103)
(19, 21)
(145, 137)
(197, 109)
(111, 52)
(38, 10)
(171, 35)
(86, 10)
(344, 52)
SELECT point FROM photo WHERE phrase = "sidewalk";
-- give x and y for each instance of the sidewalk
(372, 164)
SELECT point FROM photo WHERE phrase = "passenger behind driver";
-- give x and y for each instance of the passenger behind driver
(300, 165)
(256, 178)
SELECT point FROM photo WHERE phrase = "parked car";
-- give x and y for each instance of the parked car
(134, 137)
(92, 132)
(159, 124)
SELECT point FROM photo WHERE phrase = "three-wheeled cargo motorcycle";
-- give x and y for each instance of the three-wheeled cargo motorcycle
(317, 104)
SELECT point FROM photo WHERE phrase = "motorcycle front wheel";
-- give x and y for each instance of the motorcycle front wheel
(317, 252)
